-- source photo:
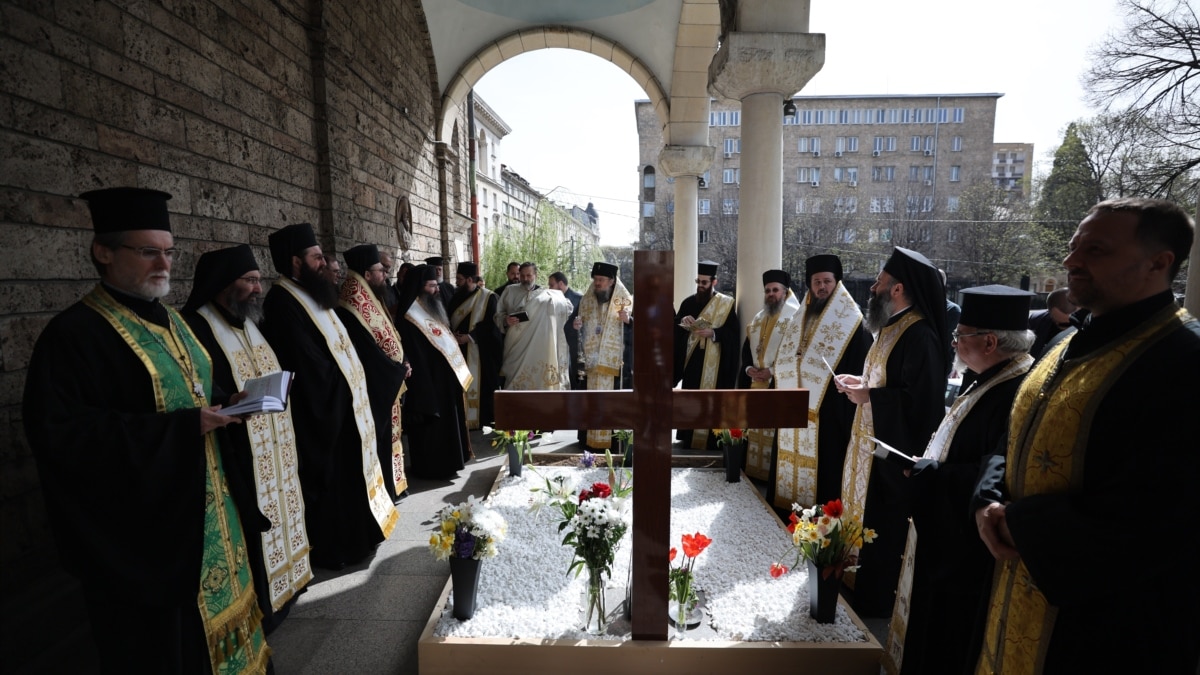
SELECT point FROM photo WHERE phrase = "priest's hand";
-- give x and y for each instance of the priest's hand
(211, 418)
(854, 388)
(993, 529)
(461, 337)
(687, 321)
(759, 374)
(511, 321)
(705, 333)
(623, 315)
(578, 325)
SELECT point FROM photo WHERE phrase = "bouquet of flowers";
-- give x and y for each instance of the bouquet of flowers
(467, 530)
(729, 436)
(594, 525)
(826, 536)
(681, 579)
(518, 439)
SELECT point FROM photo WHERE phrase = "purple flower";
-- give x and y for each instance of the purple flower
(464, 543)
(588, 460)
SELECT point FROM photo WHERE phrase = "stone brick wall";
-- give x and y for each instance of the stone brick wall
(254, 114)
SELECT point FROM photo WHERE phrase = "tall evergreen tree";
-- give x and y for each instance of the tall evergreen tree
(1068, 192)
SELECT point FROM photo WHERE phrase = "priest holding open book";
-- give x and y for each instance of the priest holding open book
(225, 303)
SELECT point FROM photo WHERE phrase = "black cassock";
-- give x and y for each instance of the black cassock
(953, 573)
(835, 420)
(124, 488)
(384, 379)
(577, 381)
(491, 351)
(906, 413)
(435, 416)
(341, 528)
(1117, 556)
(690, 372)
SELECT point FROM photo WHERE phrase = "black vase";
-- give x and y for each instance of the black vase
(735, 457)
(464, 572)
(822, 594)
(514, 461)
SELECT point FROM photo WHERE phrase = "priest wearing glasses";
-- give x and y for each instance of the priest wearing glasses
(122, 416)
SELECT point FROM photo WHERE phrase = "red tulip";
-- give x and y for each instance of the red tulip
(778, 570)
(694, 544)
(672, 554)
(833, 509)
(735, 433)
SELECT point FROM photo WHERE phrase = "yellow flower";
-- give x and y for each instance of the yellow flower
(869, 535)
(448, 526)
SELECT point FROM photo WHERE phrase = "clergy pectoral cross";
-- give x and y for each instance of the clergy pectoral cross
(653, 410)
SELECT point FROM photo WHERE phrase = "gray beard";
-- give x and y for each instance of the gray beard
(772, 308)
(432, 303)
(878, 313)
(602, 297)
(249, 309)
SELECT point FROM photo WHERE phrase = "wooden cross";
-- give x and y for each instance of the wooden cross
(652, 410)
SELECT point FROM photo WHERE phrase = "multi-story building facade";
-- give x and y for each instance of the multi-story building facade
(1012, 165)
(861, 173)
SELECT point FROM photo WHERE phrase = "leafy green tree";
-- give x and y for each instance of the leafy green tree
(1068, 192)
(548, 241)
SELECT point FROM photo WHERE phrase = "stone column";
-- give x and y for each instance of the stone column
(686, 163)
(762, 70)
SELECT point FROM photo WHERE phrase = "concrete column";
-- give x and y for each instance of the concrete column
(686, 164)
(761, 70)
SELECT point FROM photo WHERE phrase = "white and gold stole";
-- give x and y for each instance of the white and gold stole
(442, 339)
(602, 341)
(764, 349)
(716, 312)
(474, 307)
(805, 341)
(351, 368)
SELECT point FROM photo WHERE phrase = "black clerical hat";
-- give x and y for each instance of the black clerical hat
(924, 285)
(435, 261)
(995, 307)
(604, 269)
(122, 209)
(287, 242)
(468, 269)
(708, 268)
(216, 270)
(426, 273)
(778, 277)
(362, 257)
(822, 263)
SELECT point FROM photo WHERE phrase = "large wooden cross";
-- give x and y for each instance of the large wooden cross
(653, 410)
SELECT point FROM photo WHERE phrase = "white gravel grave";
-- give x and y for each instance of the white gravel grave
(525, 591)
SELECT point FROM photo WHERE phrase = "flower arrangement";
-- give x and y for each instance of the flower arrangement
(826, 536)
(729, 436)
(467, 530)
(518, 439)
(681, 578)
(594, 527)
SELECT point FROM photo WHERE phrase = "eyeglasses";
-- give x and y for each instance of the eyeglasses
(955, 335)
(152, 253)
(253, 281)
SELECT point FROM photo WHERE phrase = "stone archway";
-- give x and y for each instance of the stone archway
(546, 37)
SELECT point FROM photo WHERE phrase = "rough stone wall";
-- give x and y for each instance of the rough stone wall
(234, 108)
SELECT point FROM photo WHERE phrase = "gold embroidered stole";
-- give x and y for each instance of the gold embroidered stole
(856, 471)
(764, 333)
(1047, 446)
(805, 341)
(475, 307)
(343, 354)
(939, 445)
(602, 341)
(285, 546)
(357, 297)
(715, 312)
(225, 594)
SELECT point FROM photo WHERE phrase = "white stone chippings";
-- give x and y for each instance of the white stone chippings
(525, 592)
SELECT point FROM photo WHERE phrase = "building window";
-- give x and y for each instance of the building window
(808, 174)
(648, 210)
(733, 146)
(929, 144)
(926, 207)
(914, 174)
(958, 115)
(814, 206)
(952, 206)
(730, 176)
(845, 205)
(885, 174)
(846, 235)
(880, 234)
(955, 171)
(956, 144)
(800, 205)
(648, 178)
(704, 207)
(808, 144)
(913, 203)
(927, 172)
(951, 235)
(846, 144)
(818, 117)
(852, 174)
(729, 206)
(915, 145)
(725, 118)
(703, 236)
(806, 117)
(838, 173)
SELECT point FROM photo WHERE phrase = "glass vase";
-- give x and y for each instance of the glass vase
(595, 616)
(680, 617)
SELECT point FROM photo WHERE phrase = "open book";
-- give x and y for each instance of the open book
(266, 394)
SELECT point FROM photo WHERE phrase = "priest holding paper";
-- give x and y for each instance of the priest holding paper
(471, 311)
(142, 492)
(346, 504)
(706, 345)
(225, 303)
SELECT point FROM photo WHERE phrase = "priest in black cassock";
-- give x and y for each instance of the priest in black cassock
(435, 407)
(900, 398)
(225, 303)
(952, 571)
(471, 311)
(707, 333)
(1102, 464)
(362, 309)
(346, 503)
(147, 506)
(444, 287)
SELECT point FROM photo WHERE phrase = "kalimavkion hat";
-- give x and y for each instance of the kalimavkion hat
(435, 261)
(122, 209)
(287, 242)
(468, 269)
(995, 307)
(217, 269)
(362, 257)
(822, 263)
(778, 277)
(708, 268)
(604, 269)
